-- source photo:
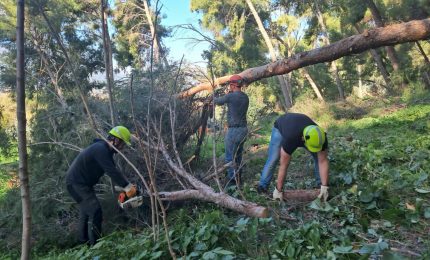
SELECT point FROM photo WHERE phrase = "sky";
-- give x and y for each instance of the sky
(178, 12)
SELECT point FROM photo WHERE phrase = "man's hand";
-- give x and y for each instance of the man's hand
(323, 193)
(130, 190)
(278, 195)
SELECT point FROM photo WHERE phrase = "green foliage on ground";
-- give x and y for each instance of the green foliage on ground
(379, 206)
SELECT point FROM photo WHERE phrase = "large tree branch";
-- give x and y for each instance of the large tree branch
(383, 36)
(206, 193)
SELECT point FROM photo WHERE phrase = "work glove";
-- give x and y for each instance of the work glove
(130, 190)
(323, 193)
(278, 195)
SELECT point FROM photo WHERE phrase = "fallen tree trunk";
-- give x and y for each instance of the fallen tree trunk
(204, 192)
(222, 199)
(383, 36)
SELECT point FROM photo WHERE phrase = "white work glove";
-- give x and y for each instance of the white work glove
(323, 193)
(278, 195)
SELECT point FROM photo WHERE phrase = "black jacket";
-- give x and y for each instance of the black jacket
(291, 126)
(92, 163)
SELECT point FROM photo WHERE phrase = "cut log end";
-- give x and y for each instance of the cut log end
(301, 195)
(262, 212)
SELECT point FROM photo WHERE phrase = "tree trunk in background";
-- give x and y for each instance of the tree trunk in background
(283, 82)
(304, 71)
(72, 68)
(378, 59)
(360, 93)
(312, 82)
(22, 139)
(107, 49)
(155, 45)
(158, 54)
(380, 23)
(326, 40)
(54, 77)
(393, 34)
(426, 72)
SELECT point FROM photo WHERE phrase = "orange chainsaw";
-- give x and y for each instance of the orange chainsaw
(127, 203)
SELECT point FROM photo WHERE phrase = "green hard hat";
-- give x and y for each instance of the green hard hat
(122, 133)
(314, 138)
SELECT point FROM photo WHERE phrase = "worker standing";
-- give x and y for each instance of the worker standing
(84, 173)
(237, 103)
(289, 132)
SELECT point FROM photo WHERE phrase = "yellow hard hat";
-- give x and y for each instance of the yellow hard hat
(314, 138)
(122, 133)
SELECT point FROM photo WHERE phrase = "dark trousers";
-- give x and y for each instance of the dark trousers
(90, 213)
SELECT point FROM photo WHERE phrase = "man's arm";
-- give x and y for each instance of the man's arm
(221, 100)
(283, 167)
(323, 167)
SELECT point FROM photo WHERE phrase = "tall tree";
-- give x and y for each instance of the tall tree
(156, 46)
(326, 40)
(233, 31)
(107, 47)
(283, 81)
(288, 25)
(379, 63)
(22, 139)
(138, 34)
(379, 22)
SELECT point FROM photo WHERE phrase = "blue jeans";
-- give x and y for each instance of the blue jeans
(273, 159)
(233, 142)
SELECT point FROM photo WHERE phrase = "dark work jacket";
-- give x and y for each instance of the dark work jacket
(92, 163)
(237, 103)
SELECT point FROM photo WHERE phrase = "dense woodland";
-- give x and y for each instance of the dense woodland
(360, 69)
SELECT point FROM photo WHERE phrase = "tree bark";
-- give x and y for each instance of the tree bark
(377, 58)
(222, 199)
(22, 139)
(380, 23)
(326, 40)
(108, 59)
(301, 195)
(284, 83)
(390, 35)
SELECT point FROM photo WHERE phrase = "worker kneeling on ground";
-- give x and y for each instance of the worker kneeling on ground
(84, 174)
(289, 132)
